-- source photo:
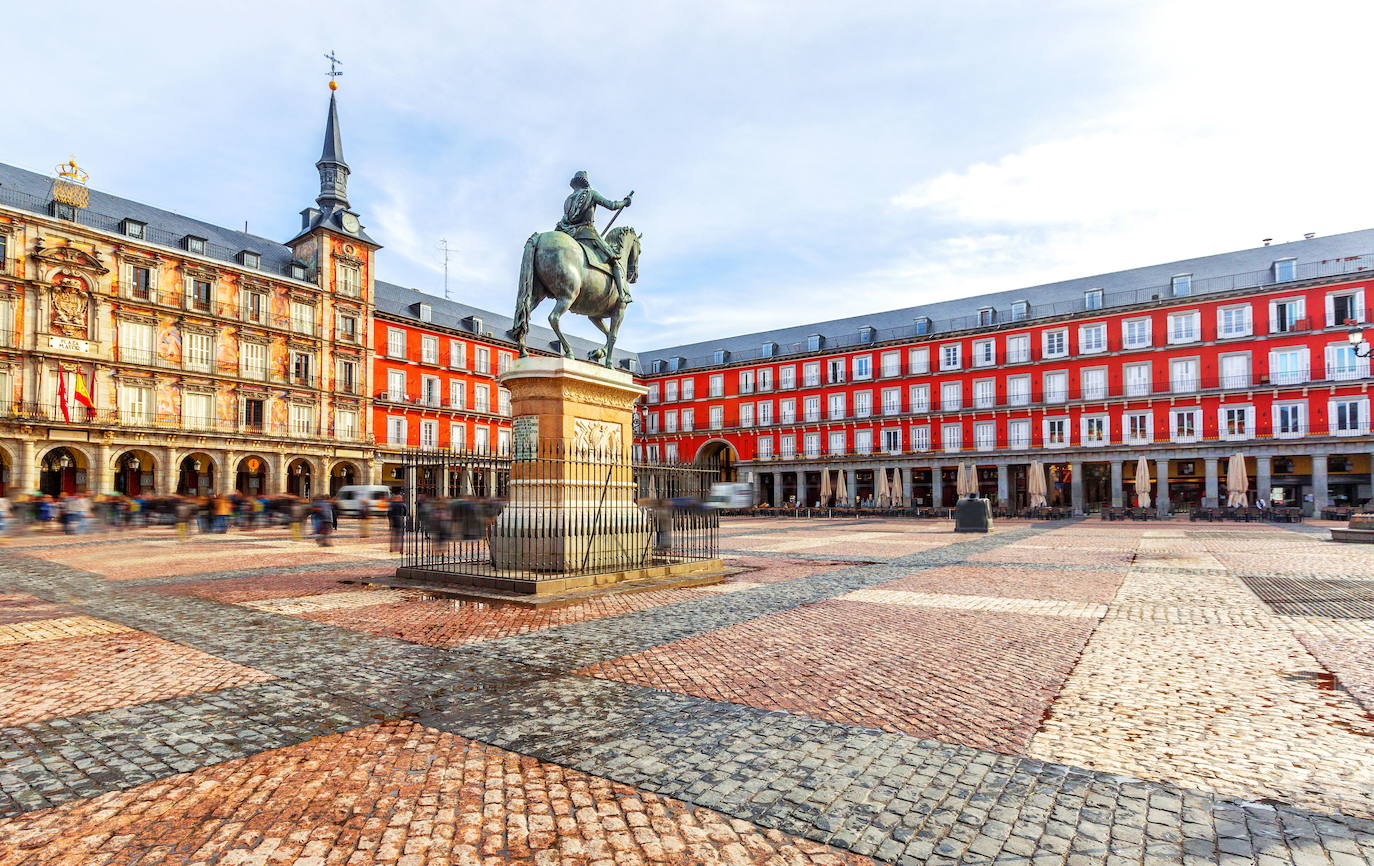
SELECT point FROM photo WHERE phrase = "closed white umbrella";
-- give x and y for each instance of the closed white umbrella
(880, 494)
(898, 494)
(825, 487)
(842, 489)
(653, 491)
(1142, 482)
(1237, 482)
(1035, 485)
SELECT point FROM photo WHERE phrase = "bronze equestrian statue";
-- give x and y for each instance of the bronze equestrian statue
(579, 269)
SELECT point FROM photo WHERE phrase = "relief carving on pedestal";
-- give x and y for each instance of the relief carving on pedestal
(595, 437)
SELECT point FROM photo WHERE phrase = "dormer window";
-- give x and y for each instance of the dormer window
(424, 312)
(249, 259)
(1092, 299)
(814, 343)
(474, 324)
(1285, 270)
(679, 363)
(986, 316)
(193, 244)
(660, 366)
(64, 211)
(720, 356)
(922, 326)
(1181, 285)
(297, 271)
(770, 350)
(133, 228)
(866, 335)
(1020, 310)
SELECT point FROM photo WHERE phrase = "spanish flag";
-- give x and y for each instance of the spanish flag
(82, 394)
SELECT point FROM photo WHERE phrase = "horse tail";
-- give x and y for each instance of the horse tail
(524, 298)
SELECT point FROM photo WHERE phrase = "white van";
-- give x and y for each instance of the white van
(726, 495)
(351, 500)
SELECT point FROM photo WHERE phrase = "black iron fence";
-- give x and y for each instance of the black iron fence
(553, 513)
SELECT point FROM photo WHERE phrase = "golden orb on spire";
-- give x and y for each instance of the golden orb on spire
(333, 85)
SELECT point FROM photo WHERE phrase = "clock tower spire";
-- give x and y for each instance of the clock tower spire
(332, 211)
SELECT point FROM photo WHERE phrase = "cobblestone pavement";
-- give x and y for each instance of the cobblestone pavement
(1053, 693)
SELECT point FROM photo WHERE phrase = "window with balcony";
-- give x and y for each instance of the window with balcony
(688, 420)
(1288, 366)
(302, 419)
(1233, 322)
(1092, 383)
(1287, 315)
(716, 386)
(1138, 379)
(303, 318)
(863, 367)
(891, 364)
(1135, 334)
(918, 361)
(254, 411)
(135, 342)
(836, 404)
(253, 361)
(984, 353)
(1290, 420)
(457, 394)
(395, 430)
(689, 388)
(1056, 387)
(1019, 433)
(811, 375)
(811, 409)
(1343, 363)
(141, 282)
(764, 413)
(429, 349)
(764, 376)
(481, 398)
(919, 395)
(834, 369)
(1095, 432)
(1184, 375)
(746, 414)
(652, 396)
(302, 368)
(1056, 432)
(395, 385)
(1235, 370)
(481, 359)
(1185, 424)
(812, 444)
(951, 396)
(429, 391)
(985, 435)
(254, 307)
(670, 421)
(346, 377)
(765, 447)
(787, 411)
(787, 377)
(1055, 344)
(1092, 339)
(135, 405)
(198, 411)
(1236, 422)
(1183, 327)
(653, 422)
(670, 391)
(457, 354)
(1018, 349)
(863, 404)
(920, 438)
(1344, 307)
(951, 356)
(952, 437)
(1018, 390)
(198, 351)
(717, 417)
(836, 444)
(347, 280)
(1140, 428)
(746, 381)
(348, 329)
(395, 343)
(985, 393)
(198, 295)
(863, 441)
(787, 446)
(892, 401)
(892, 440)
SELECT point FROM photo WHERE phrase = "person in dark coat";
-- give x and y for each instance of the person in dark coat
(396, 513)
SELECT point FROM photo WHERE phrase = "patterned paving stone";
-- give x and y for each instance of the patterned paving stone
(1014, 582)
(22, 607)
(399, 794)
(57, 629)
(287, 584)
(53, 678)
(982, 679)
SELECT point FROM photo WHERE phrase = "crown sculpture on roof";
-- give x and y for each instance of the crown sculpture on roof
(69, 187)
(580, 268)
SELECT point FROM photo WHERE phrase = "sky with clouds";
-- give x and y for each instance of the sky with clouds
(792, 161)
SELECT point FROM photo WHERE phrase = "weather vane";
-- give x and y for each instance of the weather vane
(333, 73)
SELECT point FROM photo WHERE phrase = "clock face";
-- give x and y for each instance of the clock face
(350, 222)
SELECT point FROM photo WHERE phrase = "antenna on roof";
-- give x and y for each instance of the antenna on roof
(443, 245)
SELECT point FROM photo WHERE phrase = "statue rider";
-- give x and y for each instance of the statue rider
(579, 220)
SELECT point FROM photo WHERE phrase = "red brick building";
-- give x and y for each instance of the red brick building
(1184, 363)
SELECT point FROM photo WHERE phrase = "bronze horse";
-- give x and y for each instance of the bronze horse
(554, 266)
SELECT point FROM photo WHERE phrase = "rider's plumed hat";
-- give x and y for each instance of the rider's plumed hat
(579, 181)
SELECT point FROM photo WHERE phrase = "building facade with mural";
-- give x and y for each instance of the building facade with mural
(1184, 364)
(143, 352)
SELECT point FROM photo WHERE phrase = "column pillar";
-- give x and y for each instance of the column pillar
(163, 482)
(801, 488)
(1162, 487)
(1118, 495)
(1263, 478)
(1003, 485)
(904, 479)
(102, 478)
(1319, 484)
(851, 485)
(225, 474)
(276, 468)
(777, 489)
(1209, 494)
(27, 467)
(1076, 486)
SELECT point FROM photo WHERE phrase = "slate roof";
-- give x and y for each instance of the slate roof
(1318, 256)
(30, 191)
(398, 300)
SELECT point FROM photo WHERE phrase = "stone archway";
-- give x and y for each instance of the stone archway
(7, 479)
(344, 473)
(135, 473)
(196, 474)
(719, 455)
(250, 475)
(300, 478)
(63, 469)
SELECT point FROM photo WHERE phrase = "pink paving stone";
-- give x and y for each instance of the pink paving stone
(241, 589)
(22, 607)
(1014, 582)
(129, 563)
(976, 678)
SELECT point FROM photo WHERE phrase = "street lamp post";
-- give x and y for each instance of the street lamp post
(1358, 343)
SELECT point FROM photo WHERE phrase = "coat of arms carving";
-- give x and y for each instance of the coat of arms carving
(70, 307)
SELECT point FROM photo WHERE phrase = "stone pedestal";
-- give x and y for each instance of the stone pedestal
(572, 492)
(973, 515)
(1360, 530)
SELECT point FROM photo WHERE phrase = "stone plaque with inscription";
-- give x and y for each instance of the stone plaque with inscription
(525, 437)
